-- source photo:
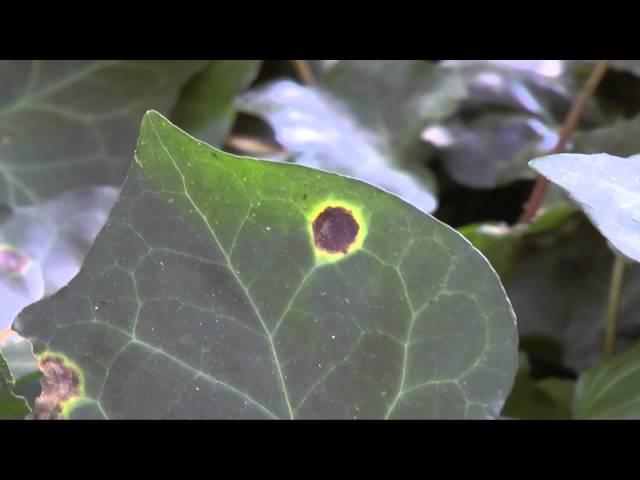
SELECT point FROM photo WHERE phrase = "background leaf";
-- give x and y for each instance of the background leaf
(203, 297)
(538, 399)
(610, 389)
(18, 354)
(511, 114)
(11, 406)
(621, 138)
(606, 187)
(42, 248)
(206, 107)
(70, 124)
(363, 120)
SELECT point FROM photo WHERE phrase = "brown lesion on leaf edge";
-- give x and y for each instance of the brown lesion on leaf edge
(60, 383)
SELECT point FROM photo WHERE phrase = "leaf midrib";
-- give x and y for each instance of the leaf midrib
(230, 267)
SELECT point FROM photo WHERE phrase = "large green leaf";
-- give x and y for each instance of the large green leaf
(212, 292)
(69, 124)
(43, 246)
(607, 188)
(206, 107)
(364, 120)
(610, 389)
(11, 406)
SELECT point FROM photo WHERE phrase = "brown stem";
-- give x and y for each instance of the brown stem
(5, 334)
(303, 72)
(571, 121)
(251, 145)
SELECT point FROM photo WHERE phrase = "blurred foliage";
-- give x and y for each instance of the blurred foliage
(453, 137)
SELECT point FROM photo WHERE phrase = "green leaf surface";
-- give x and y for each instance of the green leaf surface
(607, 188)
(610, 389)
(205, 296)
(69, 124)
(12, 407)
(364, 120)
(206, 107)
(42, 247)
(18, 354)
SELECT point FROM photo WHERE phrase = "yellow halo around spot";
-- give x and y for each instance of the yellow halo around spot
(322, 256)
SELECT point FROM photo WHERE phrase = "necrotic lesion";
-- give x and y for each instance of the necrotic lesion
(335, 229)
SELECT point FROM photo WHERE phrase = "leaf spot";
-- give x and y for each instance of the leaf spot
(335, 230)
(60, 383)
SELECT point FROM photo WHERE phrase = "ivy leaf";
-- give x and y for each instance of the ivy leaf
(206, 107)
(11, 406)
(42, 247)
(229, 287)
(610, 389)
(606, 187)
(78, 116)
(364, 120)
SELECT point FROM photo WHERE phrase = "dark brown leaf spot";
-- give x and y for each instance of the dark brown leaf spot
(335, 229)
(60, 382)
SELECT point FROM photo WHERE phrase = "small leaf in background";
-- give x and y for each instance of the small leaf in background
(511, 114)
(42, 247)
(206, 107)
(621, 138)
(229, 287)
(18, 354)
(531, 399)
(607, 188)
(556, 273)
(491, 150)
(559, 288)
(610, 389)
(499, 242)
(363, 120)
(12, 407)
(70, 124)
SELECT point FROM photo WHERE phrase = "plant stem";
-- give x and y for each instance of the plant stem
(5, 334)
(252, 146)
(303, 71)
(617, 275)
(571, 121)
